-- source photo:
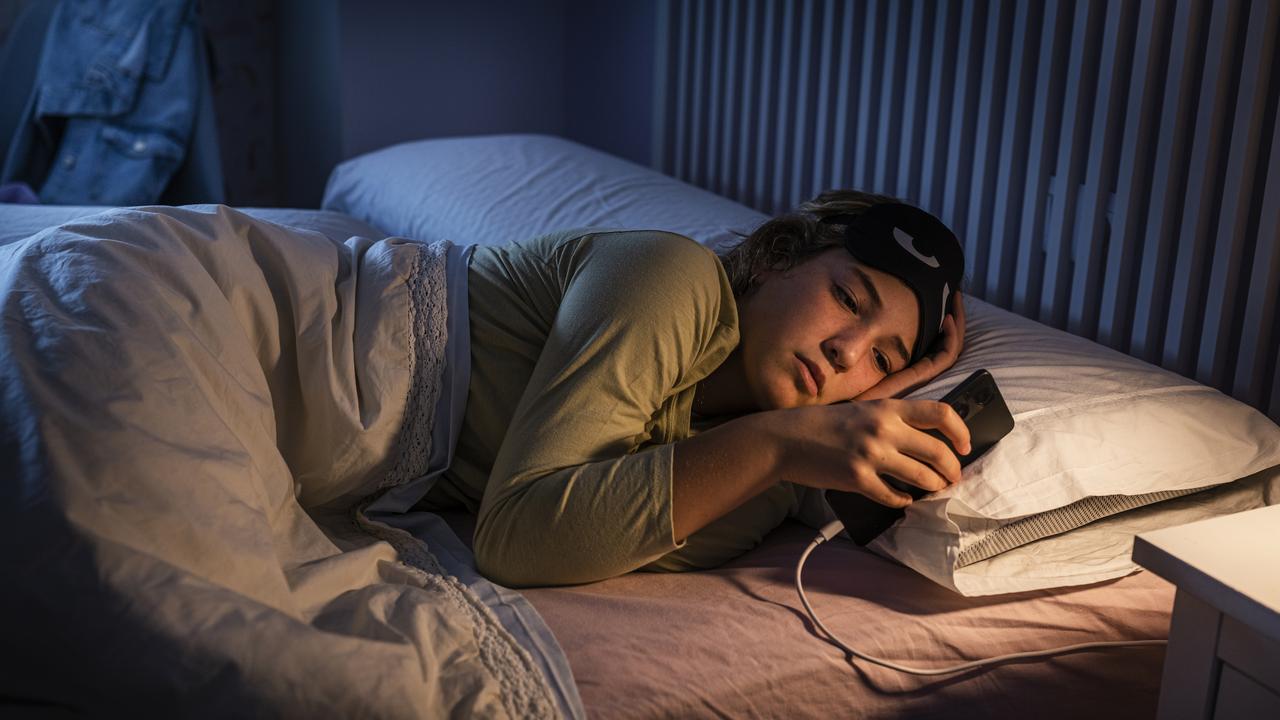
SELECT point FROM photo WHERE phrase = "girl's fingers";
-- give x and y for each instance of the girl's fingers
(934, 414)
(952, 337)
(931, 459)
(887, 495)
(914, 472)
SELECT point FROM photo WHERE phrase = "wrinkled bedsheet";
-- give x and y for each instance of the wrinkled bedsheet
(193, 403)
(736, 642)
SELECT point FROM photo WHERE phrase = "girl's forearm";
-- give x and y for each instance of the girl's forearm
(718, 470)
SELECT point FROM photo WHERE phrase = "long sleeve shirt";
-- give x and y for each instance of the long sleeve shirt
(586, 348)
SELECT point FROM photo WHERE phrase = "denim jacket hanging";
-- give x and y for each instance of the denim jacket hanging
(113, 103)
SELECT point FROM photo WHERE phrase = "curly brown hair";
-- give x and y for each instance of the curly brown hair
(785, 241)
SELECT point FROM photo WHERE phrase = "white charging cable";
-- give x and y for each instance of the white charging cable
(832, 529)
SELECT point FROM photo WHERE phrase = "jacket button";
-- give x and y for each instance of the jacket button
(68, 160)
(139, 146)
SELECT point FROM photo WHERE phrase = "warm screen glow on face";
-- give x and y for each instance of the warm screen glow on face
(824, 331)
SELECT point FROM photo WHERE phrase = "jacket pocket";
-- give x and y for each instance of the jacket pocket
(102, 164)
(136, 167)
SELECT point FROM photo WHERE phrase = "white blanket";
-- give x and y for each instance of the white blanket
(192, 403)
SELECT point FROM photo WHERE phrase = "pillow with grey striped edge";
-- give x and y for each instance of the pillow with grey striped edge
(1104, 446)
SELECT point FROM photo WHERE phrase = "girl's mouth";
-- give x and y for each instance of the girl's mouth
(810, 376)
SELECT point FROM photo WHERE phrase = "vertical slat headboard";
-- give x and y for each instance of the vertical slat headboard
(1112, 167)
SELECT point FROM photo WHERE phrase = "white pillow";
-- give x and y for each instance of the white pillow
(498, 189)
(1096, 432)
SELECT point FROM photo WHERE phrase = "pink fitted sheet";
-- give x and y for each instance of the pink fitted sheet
(735, 642)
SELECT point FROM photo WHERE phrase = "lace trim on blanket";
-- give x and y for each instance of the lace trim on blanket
(524, 690)
(428, 321)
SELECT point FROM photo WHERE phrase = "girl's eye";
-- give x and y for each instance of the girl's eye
(851, 302)
(882, 362)
(847, 299)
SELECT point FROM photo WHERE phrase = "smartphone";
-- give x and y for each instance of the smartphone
(979, 403)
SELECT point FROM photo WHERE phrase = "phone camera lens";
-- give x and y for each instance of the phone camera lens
(962, 408)
(984, 396)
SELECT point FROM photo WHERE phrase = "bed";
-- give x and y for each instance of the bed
(734, 642)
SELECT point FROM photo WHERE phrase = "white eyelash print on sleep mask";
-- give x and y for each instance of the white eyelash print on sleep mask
(908, 243)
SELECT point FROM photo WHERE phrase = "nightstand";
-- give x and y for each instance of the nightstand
(1223, 659)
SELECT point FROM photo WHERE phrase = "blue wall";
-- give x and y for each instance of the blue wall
(609, 76)
(413, 70)
(300, 85)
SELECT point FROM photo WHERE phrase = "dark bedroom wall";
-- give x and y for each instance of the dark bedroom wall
(411, 70)
(274, 72)
(609, 75)
(308, 119)
(301, 85)
(243, 60)
(582, 69)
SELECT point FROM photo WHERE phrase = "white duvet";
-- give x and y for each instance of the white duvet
(192, 403)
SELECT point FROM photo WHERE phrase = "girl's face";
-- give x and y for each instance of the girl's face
(824, 331)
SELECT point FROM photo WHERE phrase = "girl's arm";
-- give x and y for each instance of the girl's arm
(579, 489)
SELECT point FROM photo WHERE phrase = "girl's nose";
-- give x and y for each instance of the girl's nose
(844, 350)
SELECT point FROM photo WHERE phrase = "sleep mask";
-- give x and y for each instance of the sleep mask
(915, 247)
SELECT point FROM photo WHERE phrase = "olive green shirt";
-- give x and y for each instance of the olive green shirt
(585, 351)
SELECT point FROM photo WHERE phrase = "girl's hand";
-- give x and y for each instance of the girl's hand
(948, 345)
(847, 446)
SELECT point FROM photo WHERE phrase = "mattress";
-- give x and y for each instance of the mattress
(735, 641)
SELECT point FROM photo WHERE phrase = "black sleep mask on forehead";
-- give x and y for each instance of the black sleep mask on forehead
(917, 248)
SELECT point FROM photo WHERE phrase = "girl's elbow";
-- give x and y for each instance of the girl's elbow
(498, 567)
(505, 558)
(493, 557)
(513, 562)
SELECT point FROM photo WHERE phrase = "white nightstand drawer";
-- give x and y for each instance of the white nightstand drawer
(1253, 653)
(1240, 697)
